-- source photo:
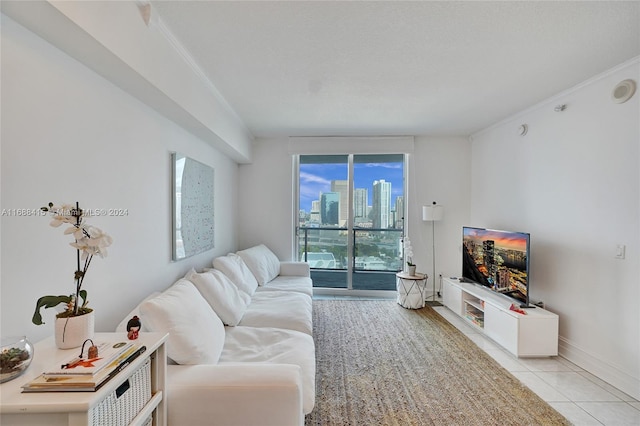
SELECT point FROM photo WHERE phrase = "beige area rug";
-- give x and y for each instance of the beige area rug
(381, 364)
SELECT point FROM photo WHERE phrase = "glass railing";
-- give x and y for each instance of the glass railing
(377, 256)
(323, 248)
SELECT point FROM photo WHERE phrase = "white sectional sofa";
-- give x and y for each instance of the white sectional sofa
(240, 341)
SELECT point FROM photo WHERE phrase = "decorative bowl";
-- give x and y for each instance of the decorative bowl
(16, 354)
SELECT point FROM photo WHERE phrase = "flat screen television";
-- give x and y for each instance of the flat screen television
(497, 260)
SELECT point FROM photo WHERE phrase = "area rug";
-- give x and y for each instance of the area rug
(381, 364)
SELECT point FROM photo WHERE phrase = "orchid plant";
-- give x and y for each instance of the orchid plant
(89, 241)
(408, 251)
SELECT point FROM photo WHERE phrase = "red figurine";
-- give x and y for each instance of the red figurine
(516, 309)
(133, 328)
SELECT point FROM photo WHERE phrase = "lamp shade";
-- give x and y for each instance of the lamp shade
(432, 213)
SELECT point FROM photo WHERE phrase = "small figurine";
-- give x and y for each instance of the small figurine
(516, 309)
(133, 328)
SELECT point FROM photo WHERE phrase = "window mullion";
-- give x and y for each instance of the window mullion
(350, 222)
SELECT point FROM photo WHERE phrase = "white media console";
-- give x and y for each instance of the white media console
(533, 334)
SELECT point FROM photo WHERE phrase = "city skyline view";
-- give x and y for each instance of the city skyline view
(378, 185)
(316, 179)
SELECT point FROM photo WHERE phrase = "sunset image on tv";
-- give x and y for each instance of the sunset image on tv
(497, 260)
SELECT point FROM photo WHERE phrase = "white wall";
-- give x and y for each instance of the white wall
(69, 135)
(573, 182)
(439, 169)
(265, 201)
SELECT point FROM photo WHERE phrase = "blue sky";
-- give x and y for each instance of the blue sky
(316, 178)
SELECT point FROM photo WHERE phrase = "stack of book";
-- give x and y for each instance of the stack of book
(83, 374)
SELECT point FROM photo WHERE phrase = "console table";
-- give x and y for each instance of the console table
(532, 334)
(76, 408)
(411, 289)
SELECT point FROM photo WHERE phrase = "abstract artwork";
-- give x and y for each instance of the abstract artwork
(193, 213)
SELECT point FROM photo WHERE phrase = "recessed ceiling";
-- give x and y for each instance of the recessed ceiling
(309, 68)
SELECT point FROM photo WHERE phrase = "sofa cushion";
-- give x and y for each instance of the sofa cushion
(196, 334)
(287, 283)
(280, 309)
(262, 262)
(274, 346)
(221, 294)
(295, 268)
(237, 271)
(122, 327)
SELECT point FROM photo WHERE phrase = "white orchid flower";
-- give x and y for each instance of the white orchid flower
(95, 243)
(77, 231)
(83, 246)
(63, 214)
(98, 238)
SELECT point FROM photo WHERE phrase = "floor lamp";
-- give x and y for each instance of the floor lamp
(433, 213)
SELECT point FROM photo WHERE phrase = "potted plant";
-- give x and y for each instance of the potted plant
(408, 253)
(75, 323)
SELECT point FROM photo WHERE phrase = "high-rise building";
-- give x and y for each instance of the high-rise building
(342, 188)
(314, 215)
(360, 202)
(329, 208)
(489, 260)
(399, 212)
(381, 204)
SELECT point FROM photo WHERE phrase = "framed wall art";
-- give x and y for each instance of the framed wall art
(193, 214)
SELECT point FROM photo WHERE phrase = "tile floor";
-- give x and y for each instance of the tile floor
(578, 395)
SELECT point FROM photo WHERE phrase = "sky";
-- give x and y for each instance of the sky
(503, 239)
(316, 178)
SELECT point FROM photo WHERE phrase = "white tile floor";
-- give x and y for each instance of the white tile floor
(578, 395)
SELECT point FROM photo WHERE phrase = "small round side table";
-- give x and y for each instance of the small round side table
(411, 289)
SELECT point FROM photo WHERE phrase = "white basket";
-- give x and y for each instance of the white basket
(123, 404)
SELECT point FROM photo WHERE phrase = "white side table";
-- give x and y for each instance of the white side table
(73, 408)
(411, 289)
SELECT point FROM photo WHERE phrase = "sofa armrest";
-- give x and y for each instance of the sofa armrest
(229, 394)
(297, 269)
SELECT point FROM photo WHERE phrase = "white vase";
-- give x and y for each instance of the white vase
(71, 332)
(412, 270)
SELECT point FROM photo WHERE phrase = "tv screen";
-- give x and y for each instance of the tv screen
(498, 260)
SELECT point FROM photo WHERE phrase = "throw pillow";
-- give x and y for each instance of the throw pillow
(237, 271)
(196, 334)
(122, 327)
(262, 262)
(223, 296)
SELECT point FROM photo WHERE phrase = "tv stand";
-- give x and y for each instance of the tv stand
(534, 334)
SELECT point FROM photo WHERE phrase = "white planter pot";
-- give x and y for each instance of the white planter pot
(411, 270)
(73, 331)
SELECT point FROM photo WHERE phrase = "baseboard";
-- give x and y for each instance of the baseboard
(599, 368)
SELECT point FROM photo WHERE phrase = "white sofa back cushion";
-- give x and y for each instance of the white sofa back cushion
(262, 262)
(221, 294)
(237, 271)
(122, 327)
(196, 334)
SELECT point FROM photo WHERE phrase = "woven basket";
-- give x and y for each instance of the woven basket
(123, 404)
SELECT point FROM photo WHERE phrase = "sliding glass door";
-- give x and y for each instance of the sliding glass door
(351, 219)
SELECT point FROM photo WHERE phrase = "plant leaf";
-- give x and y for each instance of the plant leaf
(83, 296)
(49, 302)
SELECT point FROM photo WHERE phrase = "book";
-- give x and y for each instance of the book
(84, 382)
(81, 365)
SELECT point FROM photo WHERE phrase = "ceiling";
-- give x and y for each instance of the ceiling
(320, 68)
